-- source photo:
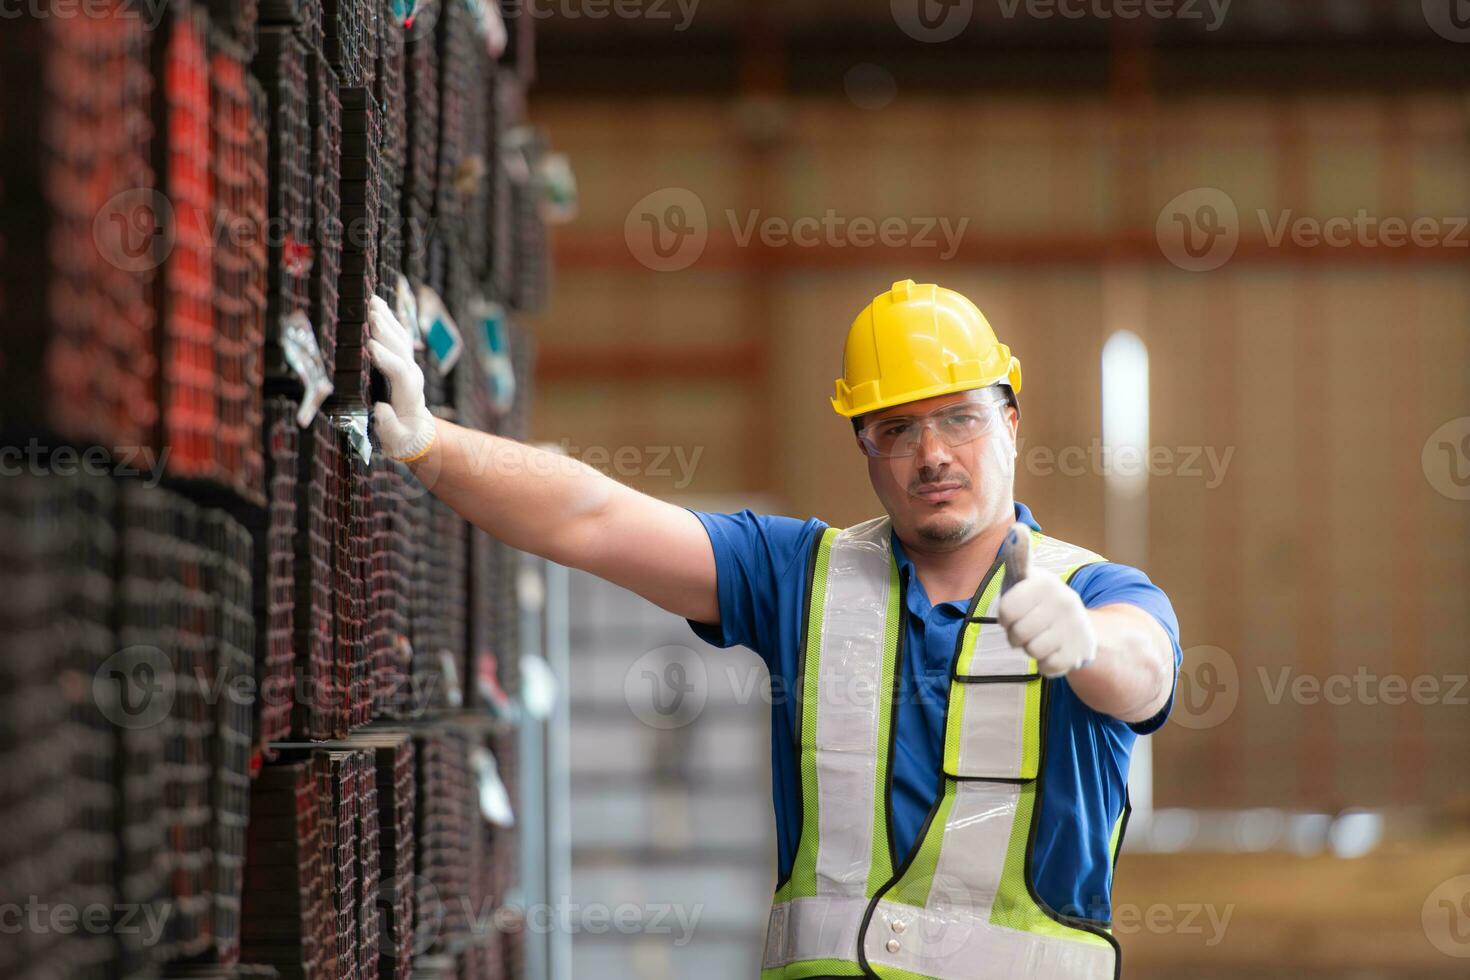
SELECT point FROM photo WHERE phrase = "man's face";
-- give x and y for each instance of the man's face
(943, 495)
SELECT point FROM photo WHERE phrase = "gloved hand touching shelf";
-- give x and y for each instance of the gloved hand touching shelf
(405, 428)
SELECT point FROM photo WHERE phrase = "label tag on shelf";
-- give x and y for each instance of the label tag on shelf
(441, 333)
(454, 693)
(494, 800)
(298, 341)
(355, 424)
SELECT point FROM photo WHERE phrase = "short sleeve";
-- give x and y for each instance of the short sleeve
(1106, 583)
(758, 559)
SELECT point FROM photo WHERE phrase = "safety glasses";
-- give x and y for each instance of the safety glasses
(955, 425)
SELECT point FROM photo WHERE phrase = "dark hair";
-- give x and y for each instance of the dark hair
(1005, 389)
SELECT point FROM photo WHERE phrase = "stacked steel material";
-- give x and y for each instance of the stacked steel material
(287, 889)
(257, 207)
(57, 801)
(229, 676)
(504, 107)
(388, 89)
(239, 252)
(326, 170)
(275, 575)
(164, 618)
(447, 828)
(439, 637)
(314, 704)
(421, 82)
(531, 261)
(90, 609)
(362, 139)
(394, 773)
(184, 293)
(391, 573)
(280, 64)
(349, 29)
(81, 227)
(462, 199)
(338, 779)
(236, 20)
(368, 837)
(352, 562)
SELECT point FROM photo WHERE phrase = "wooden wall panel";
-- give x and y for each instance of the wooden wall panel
(1323, 549)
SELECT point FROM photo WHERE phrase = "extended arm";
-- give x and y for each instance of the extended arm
(542, 502)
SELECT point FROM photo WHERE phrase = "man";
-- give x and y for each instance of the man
(961, 692)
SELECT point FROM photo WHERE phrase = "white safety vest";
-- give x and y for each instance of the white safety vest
(962, 906)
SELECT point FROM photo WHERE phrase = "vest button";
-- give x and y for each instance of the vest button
(891, 946)
(899, 925)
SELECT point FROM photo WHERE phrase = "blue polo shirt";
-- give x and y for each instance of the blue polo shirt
(761, 562)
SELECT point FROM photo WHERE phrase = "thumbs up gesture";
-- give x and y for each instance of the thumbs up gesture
(1040, 613)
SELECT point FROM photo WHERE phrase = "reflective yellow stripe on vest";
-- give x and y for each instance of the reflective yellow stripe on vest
(961, 907)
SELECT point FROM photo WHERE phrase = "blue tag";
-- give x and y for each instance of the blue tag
(441, 340)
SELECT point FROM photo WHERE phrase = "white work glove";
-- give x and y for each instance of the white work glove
(404, 426)
(1042, 615)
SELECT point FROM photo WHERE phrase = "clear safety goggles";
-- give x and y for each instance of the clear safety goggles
(955, 425)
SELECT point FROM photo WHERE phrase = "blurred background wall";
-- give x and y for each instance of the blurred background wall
(1308, 393)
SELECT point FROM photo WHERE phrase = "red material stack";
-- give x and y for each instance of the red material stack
(79, 228)
(184, 293)
(238, 299)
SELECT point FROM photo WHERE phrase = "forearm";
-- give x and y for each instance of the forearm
(1133, 673)
(534, 500)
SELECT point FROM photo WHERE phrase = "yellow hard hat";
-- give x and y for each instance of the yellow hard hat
(916, 341)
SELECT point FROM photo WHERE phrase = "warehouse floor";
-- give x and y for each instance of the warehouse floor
(1288, 917)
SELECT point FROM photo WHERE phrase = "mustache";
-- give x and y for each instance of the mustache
(920, 483)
